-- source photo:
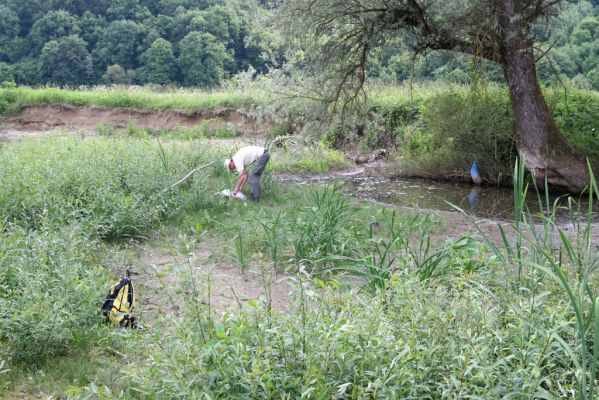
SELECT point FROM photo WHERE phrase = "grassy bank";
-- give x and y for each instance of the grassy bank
(430, 124)
(434, 124)
(378, 309)
(186, 100)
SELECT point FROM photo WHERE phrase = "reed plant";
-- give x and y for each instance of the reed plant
(380, 251)
(543, 250)
(238, 255)
(319, 227)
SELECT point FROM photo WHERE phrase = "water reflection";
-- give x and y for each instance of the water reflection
(472, 197)
(485, 202)
(482, 201)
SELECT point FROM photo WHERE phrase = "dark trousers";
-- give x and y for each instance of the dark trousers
(256, 173)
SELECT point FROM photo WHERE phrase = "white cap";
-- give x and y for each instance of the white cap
(227, 162)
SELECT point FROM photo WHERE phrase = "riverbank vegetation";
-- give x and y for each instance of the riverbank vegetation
(428, 125)
(378, 306)
(158, 98)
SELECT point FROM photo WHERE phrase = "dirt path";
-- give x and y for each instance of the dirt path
(165, 280)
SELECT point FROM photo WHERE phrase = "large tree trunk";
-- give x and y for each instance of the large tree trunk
(537, 137)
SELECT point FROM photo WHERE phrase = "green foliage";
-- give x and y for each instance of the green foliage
(115, 188)
(577, 115)
(479, 122)
(418, 341)
(115, 74)
(202, 60)
(9, 22)
(52, 26)
(143, 98)
(452, 319)
(318, 228)
(309, 159)
(119, 44)
(6, 73)
(209, 128)
(279, 130)
(159, 66)
(460, 323)
(66, 60)
(122, 32)
(237, 253)
(576, 55)
(127, 10)
(569, 260)
(435, 123)
(49, 286)
(27, 71)
(377, 253)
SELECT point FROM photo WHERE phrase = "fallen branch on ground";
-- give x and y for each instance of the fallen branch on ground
(186, 177)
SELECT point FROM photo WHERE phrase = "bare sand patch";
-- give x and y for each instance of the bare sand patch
(36, 119)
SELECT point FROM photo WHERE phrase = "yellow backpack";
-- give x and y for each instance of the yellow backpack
(118, 307)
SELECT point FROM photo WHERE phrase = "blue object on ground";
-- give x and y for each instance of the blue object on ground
(475, 174)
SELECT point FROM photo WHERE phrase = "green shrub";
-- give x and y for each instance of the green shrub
(49, 291)
(117, 187)
(455, 120)
(417, 341)
(434, 123)
(577, 115)
(282, 129)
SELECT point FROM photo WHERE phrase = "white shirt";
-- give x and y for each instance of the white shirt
(246, 156)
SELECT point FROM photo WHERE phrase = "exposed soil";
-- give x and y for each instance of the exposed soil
(36, 120)
(164, 283)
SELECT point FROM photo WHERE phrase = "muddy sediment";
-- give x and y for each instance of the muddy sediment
(43, 117)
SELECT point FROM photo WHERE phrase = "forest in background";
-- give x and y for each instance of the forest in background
(203, 43)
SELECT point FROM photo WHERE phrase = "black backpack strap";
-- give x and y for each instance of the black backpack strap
(107, 306)
(130, 295)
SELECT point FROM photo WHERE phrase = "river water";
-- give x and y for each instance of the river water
(489, 202)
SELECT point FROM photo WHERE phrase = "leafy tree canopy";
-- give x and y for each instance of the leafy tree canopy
(202, 59)
(66, 60)
(9, 22)
(159, 63)
(122, 32)
(52, 26)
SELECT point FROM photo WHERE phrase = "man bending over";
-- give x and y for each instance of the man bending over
(254, 156)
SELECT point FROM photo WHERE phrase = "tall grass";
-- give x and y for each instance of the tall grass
(319, 228)
(186, 100)
(309, 159)
(116, 187)
(570, 259)
(49, 285)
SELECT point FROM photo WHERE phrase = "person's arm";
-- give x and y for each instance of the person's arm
(243, 178)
